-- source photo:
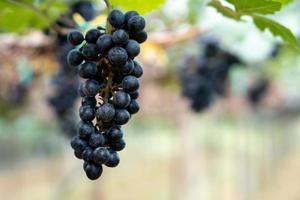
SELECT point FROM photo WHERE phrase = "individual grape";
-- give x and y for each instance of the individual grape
(78, 154)
(106, 112)
(96, 140)
(85, 130)
(75, 58)
(128, 67)
(134, 94)
(137, 70)
(89, 101)
(93, 171)
(132, 48)
(130, 84)
(129, 15)
(92, 36)
(87, 154)
(75, 37)
(121, 99)
(117, 56)
(136, 23)
(118, 145)
(90, 51)
(91, 87)
(116, 18)
(88, 70)
(100, 155)
(114, 133)
(133, 107)
(104, 43)
(113, 160)
(122, 116)
(120, 37)
(78, 144)
(140, 37)
(87, 113)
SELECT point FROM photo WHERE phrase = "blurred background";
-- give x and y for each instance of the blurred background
(219, 115)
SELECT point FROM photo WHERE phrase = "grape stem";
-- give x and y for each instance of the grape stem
(108, 5)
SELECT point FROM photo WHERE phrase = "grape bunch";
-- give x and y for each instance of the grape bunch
(105, 58)
(204, 77)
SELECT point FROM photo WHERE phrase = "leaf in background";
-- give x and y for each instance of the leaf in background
(18, 19)
(256, 6)
(142, 6)
(224, 10)
(284, 2)
(276, 29)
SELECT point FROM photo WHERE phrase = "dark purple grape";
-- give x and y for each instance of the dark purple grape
(121, 99)
(120, 37)
(122, 116)
(113, 160)
(92, 35)
(75, 37)
(133, 107)
(136, 23)
(104, 43)
(130, 84)
(93, 171)
(106, 112)
(116, 18)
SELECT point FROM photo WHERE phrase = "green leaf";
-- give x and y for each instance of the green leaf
(142, 6)
(224, 10)
(256, 6)
(284, 2)
(256, 9)
(276, 29)
(18, 19)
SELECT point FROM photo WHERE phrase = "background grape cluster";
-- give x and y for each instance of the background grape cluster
(65, 82)
(105, 58)
(204, 77)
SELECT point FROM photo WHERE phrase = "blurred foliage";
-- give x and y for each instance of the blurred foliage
(19, 16)
(194, 7)
(256, 9)
(22, 15)
(284, 2)
(141, 6)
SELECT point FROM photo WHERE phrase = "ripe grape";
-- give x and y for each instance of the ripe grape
(92, 36)
(75, 37)
(106, 112)
(116, 18)
(75, 58)
(130, 83)
(121, 99)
